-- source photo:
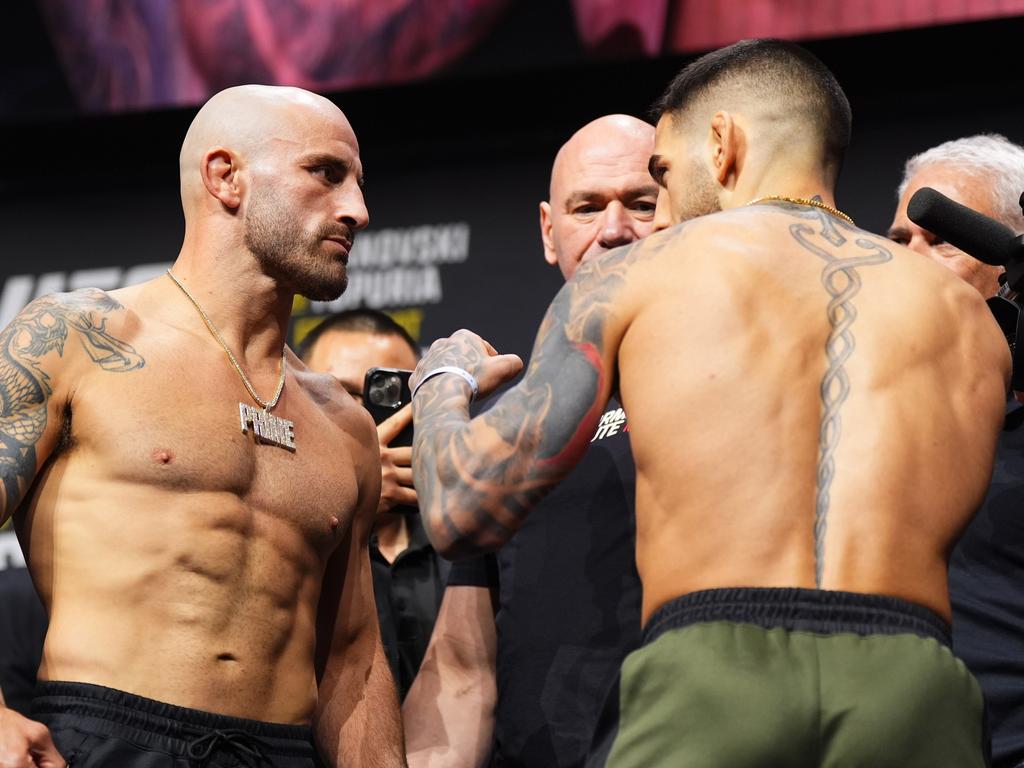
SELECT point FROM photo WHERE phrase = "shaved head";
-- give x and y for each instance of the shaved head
(598, 143)
(275, 172)
(247, 119)
(601, 195)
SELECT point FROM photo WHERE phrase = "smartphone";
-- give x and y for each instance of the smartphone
(385, 390)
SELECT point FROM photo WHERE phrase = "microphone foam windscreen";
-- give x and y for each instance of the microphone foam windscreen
(974, 233)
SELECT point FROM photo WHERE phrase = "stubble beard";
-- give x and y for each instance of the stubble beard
(703, 194)
(293, 257)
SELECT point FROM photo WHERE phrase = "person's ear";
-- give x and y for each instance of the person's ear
(221, 178)
(546, 224)
(725, 147)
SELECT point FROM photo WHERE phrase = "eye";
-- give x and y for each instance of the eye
(586, 210)
(898, 237)
(326, 172)
(644, 206)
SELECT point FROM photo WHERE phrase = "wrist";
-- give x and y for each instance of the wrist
(461, 373)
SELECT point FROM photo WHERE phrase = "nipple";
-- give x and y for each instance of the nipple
(335, 522)
(162, 456)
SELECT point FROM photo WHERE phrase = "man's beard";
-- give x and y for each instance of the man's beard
(292, 256)
(703, 194)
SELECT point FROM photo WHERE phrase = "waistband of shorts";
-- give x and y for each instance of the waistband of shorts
(117, 713)
(797, 609)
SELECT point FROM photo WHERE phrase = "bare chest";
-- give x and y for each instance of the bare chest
(173, 429)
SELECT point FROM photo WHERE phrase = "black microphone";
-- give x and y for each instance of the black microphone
(974, 233)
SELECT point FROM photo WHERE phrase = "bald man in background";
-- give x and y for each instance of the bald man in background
(566, 586)
(194, 505)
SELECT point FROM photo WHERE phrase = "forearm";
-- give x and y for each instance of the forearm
(445, 471)
(455, 729)
(358, 724)
(449, 713)
(477, 478)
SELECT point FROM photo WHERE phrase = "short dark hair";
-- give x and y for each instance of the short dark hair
(772, 68)
(357, 321)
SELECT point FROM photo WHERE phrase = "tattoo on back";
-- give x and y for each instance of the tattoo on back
(41, 328)
(842, 281)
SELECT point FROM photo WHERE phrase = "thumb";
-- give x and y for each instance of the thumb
(389, 429)
(508, 365)
(43, 750)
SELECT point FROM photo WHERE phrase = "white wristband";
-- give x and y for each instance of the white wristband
(448, 369)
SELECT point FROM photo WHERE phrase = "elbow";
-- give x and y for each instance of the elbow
(466, 531)
(472, 504)
(456, 541)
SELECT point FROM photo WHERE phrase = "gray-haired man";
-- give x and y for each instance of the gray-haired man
(986, 573)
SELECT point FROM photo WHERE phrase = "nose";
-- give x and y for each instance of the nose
(351, 207)
(616, 226)
(662, 214)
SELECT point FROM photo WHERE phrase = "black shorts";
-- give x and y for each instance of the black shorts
(97, 727)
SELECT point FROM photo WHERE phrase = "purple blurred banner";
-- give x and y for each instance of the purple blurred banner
(136, 54)
(139, 54)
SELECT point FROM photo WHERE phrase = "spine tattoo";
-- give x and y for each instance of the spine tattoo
(842, 282)
(41, 328)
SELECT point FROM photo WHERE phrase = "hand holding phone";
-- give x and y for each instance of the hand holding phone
(386, 396)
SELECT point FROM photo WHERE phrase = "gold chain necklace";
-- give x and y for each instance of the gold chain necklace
(805, 201)
(266, 427)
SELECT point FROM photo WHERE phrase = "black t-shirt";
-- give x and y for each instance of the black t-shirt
(986, 584)
(408, 595)
(569, 608)
(22, 631)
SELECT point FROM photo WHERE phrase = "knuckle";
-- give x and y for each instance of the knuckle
(37, 732)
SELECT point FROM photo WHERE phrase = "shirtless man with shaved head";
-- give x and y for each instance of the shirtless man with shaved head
(194, 505)
(813, 413)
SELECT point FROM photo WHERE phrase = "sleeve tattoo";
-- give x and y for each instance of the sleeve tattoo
(477, 479)
(42, 328)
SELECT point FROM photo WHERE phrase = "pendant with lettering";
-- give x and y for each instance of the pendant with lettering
(266, 427)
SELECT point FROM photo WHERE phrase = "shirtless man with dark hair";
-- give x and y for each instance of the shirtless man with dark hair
(194, 505)
(813, 414)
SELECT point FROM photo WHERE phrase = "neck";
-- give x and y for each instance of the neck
(249, 308)
(790, 179)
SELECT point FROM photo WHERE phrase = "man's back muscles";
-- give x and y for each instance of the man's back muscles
(812, 356)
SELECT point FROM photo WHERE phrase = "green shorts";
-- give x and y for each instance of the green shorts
(775, 678)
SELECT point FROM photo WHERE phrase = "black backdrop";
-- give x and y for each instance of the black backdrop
(471, 152)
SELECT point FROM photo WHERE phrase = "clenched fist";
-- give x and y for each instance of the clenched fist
(25, 743)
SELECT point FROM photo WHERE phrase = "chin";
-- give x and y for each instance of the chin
(325, 283)
(324, 291)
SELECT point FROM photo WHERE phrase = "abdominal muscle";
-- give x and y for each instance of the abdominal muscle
(196, 600)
